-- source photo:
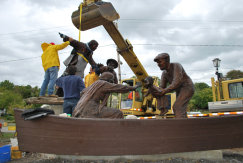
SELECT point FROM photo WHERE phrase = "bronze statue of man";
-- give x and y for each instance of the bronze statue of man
(180, 82)
(111, 65)
(92, 103)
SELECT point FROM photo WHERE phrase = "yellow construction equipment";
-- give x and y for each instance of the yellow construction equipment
(94, 14)
(227, 95)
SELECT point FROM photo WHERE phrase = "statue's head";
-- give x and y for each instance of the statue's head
(148, 82)
(107, 76)
(163, 60)
(71, 70)
(112, 63)
(93, 44)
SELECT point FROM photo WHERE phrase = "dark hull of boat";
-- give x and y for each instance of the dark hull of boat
(107, 137)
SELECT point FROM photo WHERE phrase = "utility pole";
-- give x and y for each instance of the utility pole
(119, 62)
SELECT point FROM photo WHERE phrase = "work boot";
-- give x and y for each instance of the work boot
(52, 95)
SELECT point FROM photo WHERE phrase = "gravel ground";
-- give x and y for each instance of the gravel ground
(229, 156)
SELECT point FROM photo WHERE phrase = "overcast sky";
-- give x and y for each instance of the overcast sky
(193, 32)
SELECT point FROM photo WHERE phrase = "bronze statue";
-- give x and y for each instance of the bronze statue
(180, 82)
(111, 65)
(94, 98)
(81, 55)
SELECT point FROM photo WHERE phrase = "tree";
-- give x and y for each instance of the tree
(201, 97)
(11, 96)
(9, 99)
(200, 86)
(25, 91)
(234, 74)
(7, 85)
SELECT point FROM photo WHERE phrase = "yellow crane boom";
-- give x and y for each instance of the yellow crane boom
(103, 13)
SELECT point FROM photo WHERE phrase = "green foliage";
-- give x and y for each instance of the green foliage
(5, 138)
(200, 86)
(7, 85)
(9, 100)
(201, 98)
(6, 135)
(27, 91)
(11, 96)
(10, 118)
(234, 74)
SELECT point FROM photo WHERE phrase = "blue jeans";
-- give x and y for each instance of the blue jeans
(49, 80)
(69, 105)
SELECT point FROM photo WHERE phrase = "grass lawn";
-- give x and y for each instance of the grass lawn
(5, 138)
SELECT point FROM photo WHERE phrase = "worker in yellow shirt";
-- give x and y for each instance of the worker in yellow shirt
(90, 78)
(51, 64)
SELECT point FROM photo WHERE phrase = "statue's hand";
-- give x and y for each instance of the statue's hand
(65, 38)
(103, 69)
(62, 35)
(137, 86)
(158, 92)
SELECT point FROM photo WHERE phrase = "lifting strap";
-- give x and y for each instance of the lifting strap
(80, 19)
(81, 55)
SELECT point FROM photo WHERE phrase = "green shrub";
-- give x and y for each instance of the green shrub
(201, 98)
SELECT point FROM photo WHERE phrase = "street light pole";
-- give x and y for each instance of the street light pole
(216, 63)
(217, 73)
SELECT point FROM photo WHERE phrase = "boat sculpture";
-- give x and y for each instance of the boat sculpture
(109, 137)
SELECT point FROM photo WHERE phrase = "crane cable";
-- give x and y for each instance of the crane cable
(80, 19)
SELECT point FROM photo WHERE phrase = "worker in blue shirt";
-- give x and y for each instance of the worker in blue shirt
(72, 85)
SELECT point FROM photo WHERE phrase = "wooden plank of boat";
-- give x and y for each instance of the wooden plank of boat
(107, 137)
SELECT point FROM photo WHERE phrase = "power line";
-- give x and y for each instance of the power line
(203, 45)
(32, 30)
(25, 58)
(19, 59)
(199, 45)
(177, 20)
(131, 19)
(40, 56)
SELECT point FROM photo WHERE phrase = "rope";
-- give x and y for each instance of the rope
(80, 18)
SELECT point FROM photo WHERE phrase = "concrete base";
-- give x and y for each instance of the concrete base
(209, 155)
(58, 109)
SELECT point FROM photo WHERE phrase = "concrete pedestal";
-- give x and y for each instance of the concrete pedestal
(209, 155)
(58, 109)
